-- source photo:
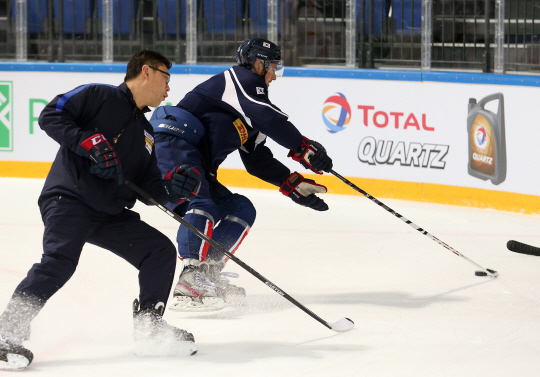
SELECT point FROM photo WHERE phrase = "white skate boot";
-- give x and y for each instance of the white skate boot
(194, 291)
(233, 294)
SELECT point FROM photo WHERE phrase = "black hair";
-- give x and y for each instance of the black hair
(141, 58)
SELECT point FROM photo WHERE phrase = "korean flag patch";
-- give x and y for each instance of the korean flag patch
(266, 44)
(260, 90)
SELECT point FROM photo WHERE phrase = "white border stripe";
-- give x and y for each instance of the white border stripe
(231, 97)
(260, 138)
(251, 99)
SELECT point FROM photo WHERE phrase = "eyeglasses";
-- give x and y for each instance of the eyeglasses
(165, 73)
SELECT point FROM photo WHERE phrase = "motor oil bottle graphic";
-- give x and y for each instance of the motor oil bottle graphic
(487, 140)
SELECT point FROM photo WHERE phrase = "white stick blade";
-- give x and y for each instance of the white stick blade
(344, 324)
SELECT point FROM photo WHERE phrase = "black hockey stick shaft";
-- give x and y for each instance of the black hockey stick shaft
(407, 221)
(522, 248)
(221, 249)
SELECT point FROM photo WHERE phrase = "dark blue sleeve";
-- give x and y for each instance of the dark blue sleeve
(261, 163)
(152, 182)
(65, 116)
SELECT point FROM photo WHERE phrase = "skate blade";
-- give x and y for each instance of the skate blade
(164, 348)
(196, 304)
(14, 362)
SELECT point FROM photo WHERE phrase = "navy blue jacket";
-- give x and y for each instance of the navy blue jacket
(242, 93)
(111, 111)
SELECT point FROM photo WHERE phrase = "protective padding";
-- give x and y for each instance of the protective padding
(177, 122)
(234, 216)
(189, 244)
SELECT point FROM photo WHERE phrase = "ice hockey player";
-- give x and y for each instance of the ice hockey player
(228, 112)
(103, 136)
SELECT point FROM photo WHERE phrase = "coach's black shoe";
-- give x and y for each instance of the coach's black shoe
(155, 337)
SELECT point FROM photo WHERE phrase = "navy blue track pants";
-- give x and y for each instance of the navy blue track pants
(69, 224)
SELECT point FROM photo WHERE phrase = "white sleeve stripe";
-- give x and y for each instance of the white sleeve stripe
(260, 138)
(230, 97)
(251, 99)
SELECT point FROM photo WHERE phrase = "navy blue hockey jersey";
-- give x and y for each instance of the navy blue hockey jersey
(236, 112)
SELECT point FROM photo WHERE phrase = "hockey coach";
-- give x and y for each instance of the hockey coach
(104, 137)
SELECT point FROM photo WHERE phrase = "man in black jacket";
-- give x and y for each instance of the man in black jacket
(104, 137)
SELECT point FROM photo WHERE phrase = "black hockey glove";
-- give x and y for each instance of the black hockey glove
(302, 191)
(182, 183)
(104, 161)
(312, 156)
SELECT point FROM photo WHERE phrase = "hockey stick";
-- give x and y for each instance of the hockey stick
(344, 324)
(522, 248)
(486, 271)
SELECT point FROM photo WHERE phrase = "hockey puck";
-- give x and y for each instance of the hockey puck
(480, 273)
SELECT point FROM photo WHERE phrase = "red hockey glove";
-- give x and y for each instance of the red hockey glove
(97, 149)
(182, 183)
(312, 156)
(302, 191)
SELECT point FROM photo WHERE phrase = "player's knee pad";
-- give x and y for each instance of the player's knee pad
(205, 207)
(229, 233)
(240, 207)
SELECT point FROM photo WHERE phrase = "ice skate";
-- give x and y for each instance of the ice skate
(233, 294)
(15, 329)
(155, 337)
(13, 356)
(194, 291)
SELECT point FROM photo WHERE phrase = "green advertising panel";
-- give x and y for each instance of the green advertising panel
(6, 116)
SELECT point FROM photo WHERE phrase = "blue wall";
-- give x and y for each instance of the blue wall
(341, 73)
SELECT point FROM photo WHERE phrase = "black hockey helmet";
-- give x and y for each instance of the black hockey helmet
(259, 49)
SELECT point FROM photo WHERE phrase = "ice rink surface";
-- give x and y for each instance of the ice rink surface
(419, 309)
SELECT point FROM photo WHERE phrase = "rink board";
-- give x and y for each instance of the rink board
(397, 134)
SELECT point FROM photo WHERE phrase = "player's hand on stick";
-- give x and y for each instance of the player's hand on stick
(302, 191)
(182, 183)
(312, 156)
(104, 161)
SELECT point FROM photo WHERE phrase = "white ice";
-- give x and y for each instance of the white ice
(418, 309)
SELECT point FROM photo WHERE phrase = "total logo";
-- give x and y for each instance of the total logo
(481, 136)
(337, 115)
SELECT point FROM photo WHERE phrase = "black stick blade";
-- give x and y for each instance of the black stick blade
(518, 247)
